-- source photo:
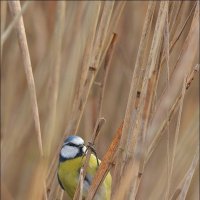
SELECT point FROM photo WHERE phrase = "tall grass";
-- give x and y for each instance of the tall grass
(65, 65)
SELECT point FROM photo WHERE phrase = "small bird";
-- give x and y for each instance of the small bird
(71, 159)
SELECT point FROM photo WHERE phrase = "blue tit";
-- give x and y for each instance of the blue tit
(72, 157)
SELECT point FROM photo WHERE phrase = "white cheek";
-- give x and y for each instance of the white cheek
(69, 151)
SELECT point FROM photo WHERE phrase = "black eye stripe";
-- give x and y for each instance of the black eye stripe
(71, 144)
(74, 145)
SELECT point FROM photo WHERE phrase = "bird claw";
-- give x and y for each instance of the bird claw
(92, 148)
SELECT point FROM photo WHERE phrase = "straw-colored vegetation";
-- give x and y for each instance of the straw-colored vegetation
(122, 75)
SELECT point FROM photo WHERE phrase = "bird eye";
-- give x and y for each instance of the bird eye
(70, 144)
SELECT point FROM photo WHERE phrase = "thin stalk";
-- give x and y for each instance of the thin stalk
(55, 63)
(166, 50)
(108, 58)
(121, 154)
(183, 66)
(14, 22)
(15, 9)
(177, 36)
(98, 126)
(106, 164)
(189, 175)
(176, 134)
(147, 96)
(158, 135)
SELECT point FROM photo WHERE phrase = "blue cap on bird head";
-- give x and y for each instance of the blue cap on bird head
(74, 140)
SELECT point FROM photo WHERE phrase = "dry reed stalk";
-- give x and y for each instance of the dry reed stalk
(170, 113)
(156, 140)
(127, 120)
(52, 179)
(166, 50)
(3, 21)
(95, 134)
(61, 195)
(150, 103)
(184, 64)
(144, 107)
(171, 10)
(168, 159)
(15, 8)
(176, 37)
(117, 13)
(3, 15)
(157, 77)
(159, 134)
(52, 168)
(94, 62)
(38, 186)
(106, 164)
(115, 18)
(174, 11)
(146, 116)
(166, 47)
(172, 43)
(190, 76)
(53, 187)
(93, 68)
(173, 17)
(178, 34)
(108, 58)
(188, 177)
(81, 177)
(49, 129)
(161, 19)
(88, 52)
(190, 171)
(106, 47)
(9, 29)
(22, 107)
(168, 76)
(56, 49)
(152, 93)
(57, 193)
(123, 187)
(187, 82)
(176, 136)
(192, 27)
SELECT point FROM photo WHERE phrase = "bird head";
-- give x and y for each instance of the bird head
(73, 147)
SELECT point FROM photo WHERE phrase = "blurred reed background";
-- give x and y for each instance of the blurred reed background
(156, 43)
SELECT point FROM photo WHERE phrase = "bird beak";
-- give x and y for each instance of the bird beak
(84, 148)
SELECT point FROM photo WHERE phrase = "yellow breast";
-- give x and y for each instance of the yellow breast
(68, 173)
